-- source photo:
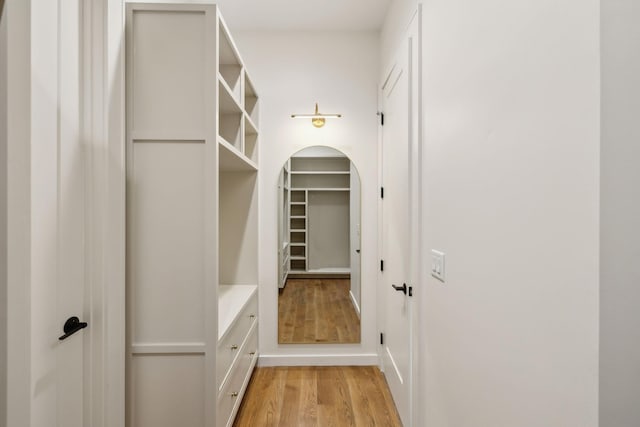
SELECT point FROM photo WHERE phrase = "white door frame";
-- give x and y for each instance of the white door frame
(103, 135)
(416, 247)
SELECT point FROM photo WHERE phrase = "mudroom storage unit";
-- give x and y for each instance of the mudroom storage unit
(192, 217)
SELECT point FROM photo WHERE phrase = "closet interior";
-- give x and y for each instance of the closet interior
(192, 217)
(314, 195)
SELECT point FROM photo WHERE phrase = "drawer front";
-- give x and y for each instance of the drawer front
(233, 390)
(251, 345)
(250, 312)
(229, 347)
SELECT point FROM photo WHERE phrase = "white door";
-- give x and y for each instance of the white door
(57, 216)
(399, 218)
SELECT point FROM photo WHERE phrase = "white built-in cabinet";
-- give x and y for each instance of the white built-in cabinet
(315, 228)
(192, 218)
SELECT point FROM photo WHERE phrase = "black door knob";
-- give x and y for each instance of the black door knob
(402, 288)
(71, 326)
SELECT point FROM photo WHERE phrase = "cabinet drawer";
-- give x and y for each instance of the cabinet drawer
(251, 344)
(235, 386)
(229, 346)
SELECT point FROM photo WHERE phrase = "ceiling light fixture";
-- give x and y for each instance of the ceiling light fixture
(317, 119)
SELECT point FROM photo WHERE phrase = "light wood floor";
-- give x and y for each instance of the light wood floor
(317, 311)
(326, 396)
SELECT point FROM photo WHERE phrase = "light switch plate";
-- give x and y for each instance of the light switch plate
(437, 264)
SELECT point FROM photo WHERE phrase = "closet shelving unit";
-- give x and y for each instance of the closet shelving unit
(192, 213)
(237, 228)
(310, 175)
(298, 235)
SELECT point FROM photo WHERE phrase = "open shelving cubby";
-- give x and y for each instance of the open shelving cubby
(230, 123)
(237, 107)
(250, 100)
(310, 180)
(320, 164)
(230, 65)
(250, 139)
(298, 198)
(320, 173)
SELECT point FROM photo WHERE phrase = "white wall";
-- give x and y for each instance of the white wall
(511, 183)
(398, 17)
(3, 217)
(292, 71)
(620, 215)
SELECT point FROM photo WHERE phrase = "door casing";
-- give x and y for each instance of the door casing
(413, 35)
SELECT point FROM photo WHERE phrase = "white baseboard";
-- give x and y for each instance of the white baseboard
(355, 304)
(318, 360)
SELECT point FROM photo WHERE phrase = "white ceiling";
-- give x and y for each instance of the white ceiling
(313, 15)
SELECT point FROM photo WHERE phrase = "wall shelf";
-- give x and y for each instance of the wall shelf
(230, 75)
(320, 189)
(320, 173)
(250, 139)
(229, 117)
(252, 129)
(320, 164)
(250, 99)
(231, 159)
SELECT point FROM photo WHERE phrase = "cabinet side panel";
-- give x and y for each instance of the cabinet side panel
(168, 72)
(168, 390)
(166, 257)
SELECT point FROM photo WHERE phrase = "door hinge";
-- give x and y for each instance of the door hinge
(410, 291)
(382, 192)
(381, 114)
(381, 265)
(381, 338)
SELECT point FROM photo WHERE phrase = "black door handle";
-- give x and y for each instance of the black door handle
(71, 326)
(402, 288)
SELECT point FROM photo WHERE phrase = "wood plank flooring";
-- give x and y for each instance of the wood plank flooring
(317, 311)
(322, 396)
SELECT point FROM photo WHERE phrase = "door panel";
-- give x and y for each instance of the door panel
(396, 233)
(71, 211)
(399, 218)
(57, 215)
